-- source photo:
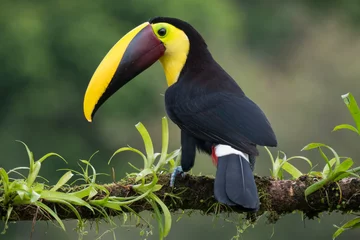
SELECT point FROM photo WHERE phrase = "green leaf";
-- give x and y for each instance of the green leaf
(5, 179)
(350, 102)
(319, 145)
(54, 196)
(326, 159)
(354, 170)
(157, 187)
(158, 218)
(112, 205)
(81, 193)
(293, 171)
(30, 155)
(276, 172)
(300, 157)
(316, 186)
(144, 173)
(43, 158)
(132, 150)
(270, 155)
(173, 155)
(34, 196)
(342, 175)
(145, 187)
(354, 223)
(121, 202)
(344, 166)
(8, 214)
(51, 212)
(72, 208)
(62, 181)
(166, 212)
(33, 173)
(92, 193)
(341, 171)
(346, 126)
(328, 167)
(165, 143)
(93, 169)
(149, 148)
(311, 146)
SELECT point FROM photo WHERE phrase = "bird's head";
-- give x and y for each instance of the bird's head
(161, 38)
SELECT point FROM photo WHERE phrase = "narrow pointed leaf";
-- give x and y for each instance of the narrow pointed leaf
(81, 193)
(30, 154)
(5, 179)
(353, 107)
(167, 215)
(311, 146)
(344, 166)
(62, 181)
(112, 205)
(33, 173)
(291, 169)
(165, 142)
(123, 149)
(354, 223)
(93, 170)
(34, 196)
(72, 208)
(346, 126)
(51, 212)
(143, 174)
(43, 158)
(327, 167)
(301, 157)
(53, 196)
(316, 186)
(270, 155)
(149, 148)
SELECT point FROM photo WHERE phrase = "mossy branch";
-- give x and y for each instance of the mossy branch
(335, 188)
(278, 197)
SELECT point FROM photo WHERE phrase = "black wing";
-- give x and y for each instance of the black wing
(224, 118)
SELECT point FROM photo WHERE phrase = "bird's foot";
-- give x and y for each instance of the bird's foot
(178, 170)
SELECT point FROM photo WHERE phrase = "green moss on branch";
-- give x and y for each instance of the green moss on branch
(196, 193)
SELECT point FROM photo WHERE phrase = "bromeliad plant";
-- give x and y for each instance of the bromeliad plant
(335, 169)
(153, 169)
(279, 165)
(25, 190)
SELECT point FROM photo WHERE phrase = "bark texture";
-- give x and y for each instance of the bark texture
(196, 193)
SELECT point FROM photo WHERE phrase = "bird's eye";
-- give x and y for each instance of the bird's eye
(162, 32)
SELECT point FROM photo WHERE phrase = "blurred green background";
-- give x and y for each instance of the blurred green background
(294, 58)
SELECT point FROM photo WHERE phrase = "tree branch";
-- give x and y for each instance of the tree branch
(196, 193)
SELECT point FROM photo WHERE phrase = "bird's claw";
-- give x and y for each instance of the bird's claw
(178, 170)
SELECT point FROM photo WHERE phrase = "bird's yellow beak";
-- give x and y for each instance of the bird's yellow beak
(131, 55)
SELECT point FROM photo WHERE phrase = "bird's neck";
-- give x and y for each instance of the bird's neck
(182, 60)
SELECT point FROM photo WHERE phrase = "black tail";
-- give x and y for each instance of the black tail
(235, 183)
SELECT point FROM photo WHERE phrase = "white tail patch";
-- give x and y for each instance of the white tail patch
(223, 150)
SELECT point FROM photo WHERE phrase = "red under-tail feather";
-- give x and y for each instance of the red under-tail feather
(213, 156)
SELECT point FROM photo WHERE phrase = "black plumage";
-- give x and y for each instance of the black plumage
(210, 108)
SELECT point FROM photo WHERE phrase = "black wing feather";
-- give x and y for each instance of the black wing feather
(224, 118)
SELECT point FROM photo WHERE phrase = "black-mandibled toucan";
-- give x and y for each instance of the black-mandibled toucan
(212, 111)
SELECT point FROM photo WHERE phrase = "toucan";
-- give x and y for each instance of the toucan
(202, 99)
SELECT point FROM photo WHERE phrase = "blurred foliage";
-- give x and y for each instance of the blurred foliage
(294, 58)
